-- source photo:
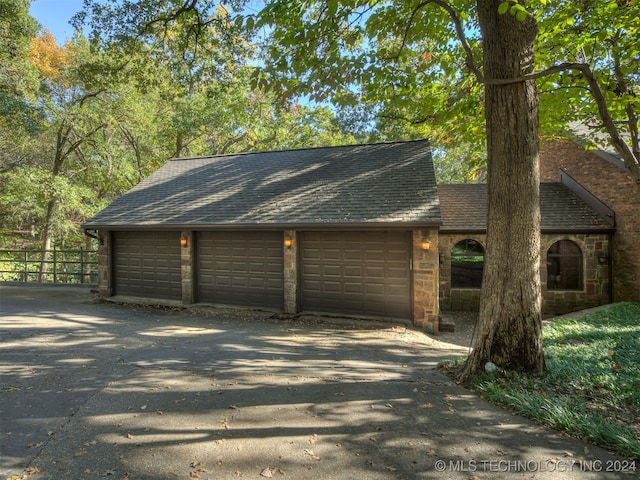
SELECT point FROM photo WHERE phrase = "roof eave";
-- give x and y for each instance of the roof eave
(268, 226)
(578, 230)
(454, 230)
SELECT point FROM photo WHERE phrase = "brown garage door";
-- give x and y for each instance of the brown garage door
(147, 264)
(364, 273)
(240, 268)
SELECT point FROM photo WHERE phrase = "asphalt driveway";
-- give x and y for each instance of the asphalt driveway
(98, 390)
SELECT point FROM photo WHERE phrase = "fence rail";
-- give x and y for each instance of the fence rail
(60, 266)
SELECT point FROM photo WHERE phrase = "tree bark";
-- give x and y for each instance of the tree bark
(510, 321)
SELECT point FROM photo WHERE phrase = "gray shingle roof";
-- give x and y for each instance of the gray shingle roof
(383, 183)
(464, 208)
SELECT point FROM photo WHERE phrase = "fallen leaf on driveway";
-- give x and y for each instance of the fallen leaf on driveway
(266, 473)
(311, 454)
(11, 388)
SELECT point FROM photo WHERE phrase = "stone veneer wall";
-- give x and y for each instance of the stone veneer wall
(615, 188)
(291, 273)
(426, 310)
(105, 288)
(596, 289)
(186, 266)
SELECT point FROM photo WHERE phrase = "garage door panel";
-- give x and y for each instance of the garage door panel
(350, 288)
(373, 289)
(353, 271)
(240, 268)
(356, 272)
(395, 272)
(374, 272)
(396, 291)
(311, 287)
(352, 255)
(329, 287)
(147, 264)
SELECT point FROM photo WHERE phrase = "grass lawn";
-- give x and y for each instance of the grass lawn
(591, 388)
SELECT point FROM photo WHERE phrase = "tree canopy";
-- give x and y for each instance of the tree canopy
(418, 64)
(103, 111)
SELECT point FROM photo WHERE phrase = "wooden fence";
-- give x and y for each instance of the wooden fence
(61, 266)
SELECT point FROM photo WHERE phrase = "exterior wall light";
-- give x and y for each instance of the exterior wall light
(426, 245)
(288, 242)
(184, 241)
(602, 258)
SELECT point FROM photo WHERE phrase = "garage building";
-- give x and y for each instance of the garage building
(350, 230)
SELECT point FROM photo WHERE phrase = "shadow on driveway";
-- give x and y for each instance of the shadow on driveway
(92, 390)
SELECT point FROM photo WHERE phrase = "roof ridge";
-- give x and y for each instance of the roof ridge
(300, 149)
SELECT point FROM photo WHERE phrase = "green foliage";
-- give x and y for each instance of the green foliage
(153, 81)
(514, 8)
(18, 78)
(17, 29)
(603, 35)
(591, 388)
(390, 61)
(403, 64)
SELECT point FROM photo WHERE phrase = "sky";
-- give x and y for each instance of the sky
(54, 15)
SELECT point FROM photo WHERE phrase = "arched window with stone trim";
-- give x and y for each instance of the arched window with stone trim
(467, 264)
(564, 266)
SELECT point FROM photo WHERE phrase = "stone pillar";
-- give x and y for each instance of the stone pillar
(426, 313)
(105, 286)
(290, 272)
(186, 262)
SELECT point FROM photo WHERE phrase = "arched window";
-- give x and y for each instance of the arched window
(467, 263)
(564, 266)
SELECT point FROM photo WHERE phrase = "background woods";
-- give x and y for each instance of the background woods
(83, 122)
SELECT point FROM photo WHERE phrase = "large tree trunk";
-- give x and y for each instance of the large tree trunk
(509, 328)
